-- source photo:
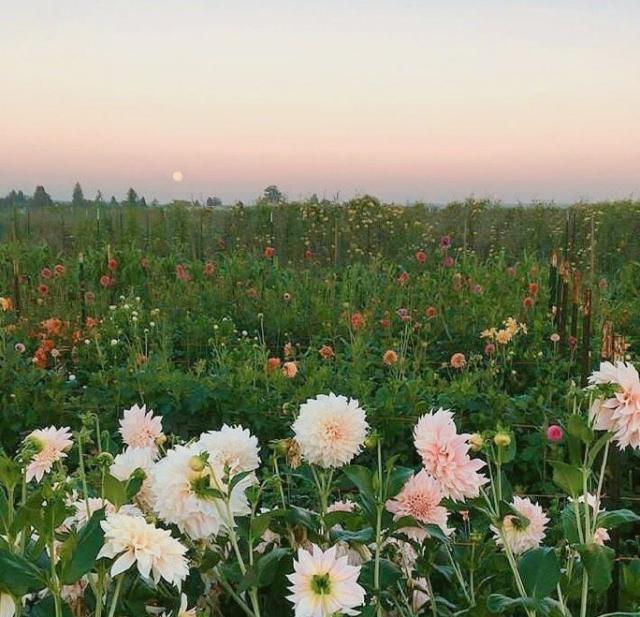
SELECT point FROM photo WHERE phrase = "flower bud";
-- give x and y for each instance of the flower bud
(371, 440)
(476, 441)
(555, 433)
(197, 464)
(104, 459)
(502, 440)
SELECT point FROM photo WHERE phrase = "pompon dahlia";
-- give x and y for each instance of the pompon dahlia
(140, 428)
(324, 584)
(522, 536)
(330, 430)
(131, 540)
(420, 498)
(445, 455)
(51, 445)
(619, 414)
(178, 497)
(232, 446)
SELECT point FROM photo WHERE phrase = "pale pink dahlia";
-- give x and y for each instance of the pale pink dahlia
(445, 455)
(621, 413)
(52, 445)
(324, 584)
(232, 446)
(140, 428)
(420, 498)
(522, 535)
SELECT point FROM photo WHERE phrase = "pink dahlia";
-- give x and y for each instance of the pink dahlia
(140, 428)
(420, 498)
(526, 532)
(52, 445)
(619, 414)
(445, 455)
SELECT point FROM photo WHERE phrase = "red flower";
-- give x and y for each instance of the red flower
(489, 348)
(209, 268)
(45, 273)
(533, 289)
(182, 273)
(357, 321)
(431, 312)
(106, 280)
(385, 323)
(112, 264)
(421, 257)
(308, 254)
(528, 302)
(43, 290)
(445, 242)
(59, 269)
(403, 278)
(555, 433)
(269, 252)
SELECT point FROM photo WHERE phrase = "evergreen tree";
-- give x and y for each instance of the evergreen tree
(113, 202)
(41, 198)
(132, 197)
(78, 197)
(273, 195)
(214, 202)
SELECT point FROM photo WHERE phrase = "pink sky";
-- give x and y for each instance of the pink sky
(405, 99)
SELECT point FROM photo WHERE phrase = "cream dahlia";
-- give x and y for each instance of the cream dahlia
(522, 535)
(420, 498)
(131, 540)
(51, 445)
(7, 605)
(132, 459)
(179, 496)
(619, 414)
(445, 455)
(323, 584)
(140, 428)
(232, 446)
(330, 430)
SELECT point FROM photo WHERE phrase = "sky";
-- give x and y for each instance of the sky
(408, 100)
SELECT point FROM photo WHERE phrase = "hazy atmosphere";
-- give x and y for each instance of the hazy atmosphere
(407, 100)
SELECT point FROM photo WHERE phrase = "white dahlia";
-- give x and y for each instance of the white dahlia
(140, 428)
(522, 535)
(178, 497)
(232, 446)
(51, 445)
(132, 459)
(330, 430)
(324, 584)
(131, 540)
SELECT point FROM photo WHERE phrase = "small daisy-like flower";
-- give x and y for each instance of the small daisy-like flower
(330, 430)
(131, 540)
(420, 498)
(52, 445)
(324, 584)
(522, 535)
(140, 428)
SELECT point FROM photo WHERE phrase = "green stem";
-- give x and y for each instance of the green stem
(116, 595)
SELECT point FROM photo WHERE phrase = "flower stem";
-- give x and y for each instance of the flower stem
(116, 595)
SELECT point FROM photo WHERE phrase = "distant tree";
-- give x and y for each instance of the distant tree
(314, 199)
(98, 201)
(132, 197)
(273, 195)
(41, 198)
(214, 202)
(143, 202)
(113, 202)
(77, 199)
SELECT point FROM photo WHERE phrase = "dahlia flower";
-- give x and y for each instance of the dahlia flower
(7, 605)
(445, 456)
(619, 414)
(420, 498)
(522, 536)
(330, 430)
(232, 446)
(131, 540)
(177, 500)
(140, 428)
(323, 584)
(52, 445)
(129, 461)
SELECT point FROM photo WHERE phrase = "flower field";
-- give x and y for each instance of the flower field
(316, 409)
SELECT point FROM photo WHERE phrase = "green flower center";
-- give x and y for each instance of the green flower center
(321, 584)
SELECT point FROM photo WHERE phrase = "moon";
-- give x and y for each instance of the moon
(177, 176)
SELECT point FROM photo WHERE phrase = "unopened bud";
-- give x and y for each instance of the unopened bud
(476, 441)
(197, 464)
(502, 440)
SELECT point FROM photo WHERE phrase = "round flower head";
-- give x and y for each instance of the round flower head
(178, 493)
(324, 584)
(522, 535)
(420, 498)
(131, 540)
(330, 430)
(51, 445)
(140, 428)
(232, 446)
(445, 456)
(132, 459)
(621, 413)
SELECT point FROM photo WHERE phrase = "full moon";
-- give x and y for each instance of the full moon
(177, 176)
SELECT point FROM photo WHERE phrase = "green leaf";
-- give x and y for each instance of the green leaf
(10, 473)
(363, 536)
(540, 572)
(498, 603)
(397, 479)
(115, 491)
(46, 608)
(578, 427)
(266, 566)
(567, 477)
(615, 518)
(79, 551)
(390, 573)
(362, 478)
(19, 576)
(598, 562)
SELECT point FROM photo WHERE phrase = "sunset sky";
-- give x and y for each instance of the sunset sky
(423, 99)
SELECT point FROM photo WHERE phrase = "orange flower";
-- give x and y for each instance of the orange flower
(273, 364)
(290, 369)
(52, 326)
(458, 360)
(6, 304)
(390, 357)
(326, 352)
(431, 312)
(269, 252)
(40, 358)
(357, 321)
(533, 289)
(528, 302)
